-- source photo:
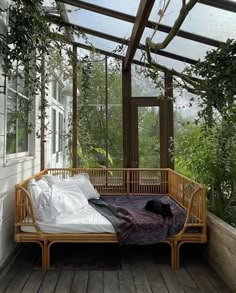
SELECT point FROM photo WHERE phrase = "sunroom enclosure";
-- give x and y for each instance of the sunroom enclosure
(117, 30)
(130, 103)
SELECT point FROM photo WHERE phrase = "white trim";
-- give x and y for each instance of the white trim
(18, 160)
(16, 155)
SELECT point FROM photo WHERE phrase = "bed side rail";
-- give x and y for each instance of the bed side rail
(192, 196)
(24, 213)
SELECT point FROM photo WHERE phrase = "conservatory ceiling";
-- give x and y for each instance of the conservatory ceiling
(110, 23)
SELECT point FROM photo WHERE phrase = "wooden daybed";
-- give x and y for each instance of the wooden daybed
(189, 194)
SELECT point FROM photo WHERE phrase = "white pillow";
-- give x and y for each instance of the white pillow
(68, 186)
(43, 184)
(52, 179)
(67, 199)
(46, 212)
(86, 186)
(34, 191)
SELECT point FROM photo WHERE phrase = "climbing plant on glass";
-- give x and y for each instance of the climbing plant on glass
(211, 156)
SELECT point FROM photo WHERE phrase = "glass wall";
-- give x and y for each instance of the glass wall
(149, 137)
(100, 113)
(142, 85)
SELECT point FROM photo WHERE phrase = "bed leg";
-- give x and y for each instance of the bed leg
(173, 255)
(177, 256)
(48, 256)
(45, 255)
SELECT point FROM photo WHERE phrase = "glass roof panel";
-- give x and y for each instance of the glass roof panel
(142, 85)
(51, 3)
(179, 46)
(203, 20)
(101, 44)
(128, 7)
(50, 6)
(99, 22)
(164, 61)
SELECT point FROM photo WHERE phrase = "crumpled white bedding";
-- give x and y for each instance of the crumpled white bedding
(61, 206)
(88, 220)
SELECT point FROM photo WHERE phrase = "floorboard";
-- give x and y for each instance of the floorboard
(95, 282)
(142, 269)
(34, 282)
(64, 282)
(126, 280)
(80, 282)
(49, 283)
(111, 282)
(201, 278)
(153, 274)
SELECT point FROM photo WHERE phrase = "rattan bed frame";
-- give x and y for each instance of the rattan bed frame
(189, 194)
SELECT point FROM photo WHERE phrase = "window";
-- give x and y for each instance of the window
(60, 140)
(17, 118)
(60, 96)
(54, 130)
(54, 89)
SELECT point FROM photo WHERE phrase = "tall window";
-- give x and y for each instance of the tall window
(60, 140)
(60, 96)
(54, 130)
(17, 119)
(54, 89)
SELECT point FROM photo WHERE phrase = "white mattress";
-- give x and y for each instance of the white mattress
(87, 221)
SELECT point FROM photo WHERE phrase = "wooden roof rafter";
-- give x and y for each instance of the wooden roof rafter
(65, 39)
(221, 4)
(144, 10)
(150, 24)
(57, 20)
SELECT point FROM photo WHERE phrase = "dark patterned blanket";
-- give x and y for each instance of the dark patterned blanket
(133, 224)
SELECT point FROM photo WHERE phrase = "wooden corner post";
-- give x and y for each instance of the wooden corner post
(166, 123)
(74, 111)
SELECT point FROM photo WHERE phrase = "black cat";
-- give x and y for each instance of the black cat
(156, 206)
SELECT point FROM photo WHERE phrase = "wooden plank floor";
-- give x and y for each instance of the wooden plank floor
(136, 269)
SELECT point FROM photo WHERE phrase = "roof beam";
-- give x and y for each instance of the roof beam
(57, 20)
(144, 10)
(65, 39)
(150, 24)
(221, 4)
(103, 52)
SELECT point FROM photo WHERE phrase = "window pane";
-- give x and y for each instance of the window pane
(149, 137)
(11, 123)
(144, 86)
(103, 44)
(54, 89)
(202, 20)
(54, 130)
(115, 128)
(60, 141)
(92, 117)
(179, 46)
(99, 22)
(22, 127)
(129, 7)
(60, 96)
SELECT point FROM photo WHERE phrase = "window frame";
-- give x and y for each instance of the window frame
(15, 155)
(54, 131)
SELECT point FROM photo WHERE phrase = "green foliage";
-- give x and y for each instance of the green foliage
(27, 40)
(208, 150)
(149, 137)
(217, 88)
(92, 116)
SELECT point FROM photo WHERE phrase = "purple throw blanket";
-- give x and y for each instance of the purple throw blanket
(133, 224)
